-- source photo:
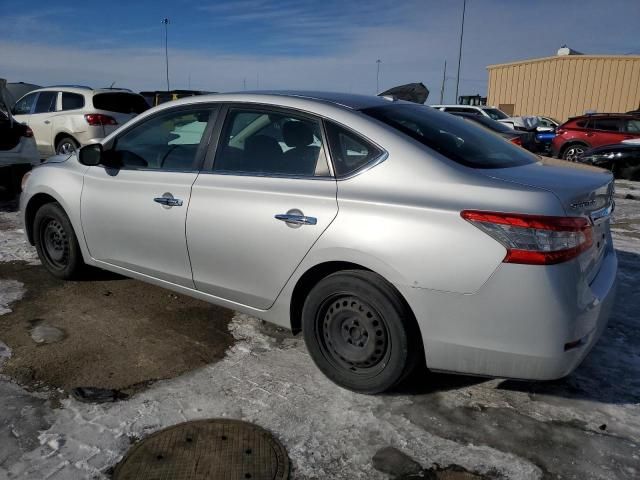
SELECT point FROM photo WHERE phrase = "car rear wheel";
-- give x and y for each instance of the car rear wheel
(573, 152)
(56, 242)
(66, 146)
(359, 331)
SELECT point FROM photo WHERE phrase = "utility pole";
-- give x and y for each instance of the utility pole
(165, 21)
(378, 62)
(444, 78)
(464, 8)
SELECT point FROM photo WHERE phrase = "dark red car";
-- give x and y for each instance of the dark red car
(579, 134)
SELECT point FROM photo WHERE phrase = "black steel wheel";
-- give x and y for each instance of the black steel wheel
(360, 332)
(56, 242)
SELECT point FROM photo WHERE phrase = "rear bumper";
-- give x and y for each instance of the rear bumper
(25, 153)
(527, 322)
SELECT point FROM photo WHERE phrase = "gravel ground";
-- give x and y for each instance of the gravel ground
(586, 426)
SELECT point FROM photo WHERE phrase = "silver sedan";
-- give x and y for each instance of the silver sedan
(392, 235)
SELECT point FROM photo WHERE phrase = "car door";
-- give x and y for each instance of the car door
(41, 122)
(134, 208)
(605, 131)
(260, 205)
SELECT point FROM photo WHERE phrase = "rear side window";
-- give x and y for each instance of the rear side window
(581, 123)
(72, 101)
(459, 140)
(23, 107)
(607, 124)
(46, 102)
(349, 151)
(120, 102)
(264, 142)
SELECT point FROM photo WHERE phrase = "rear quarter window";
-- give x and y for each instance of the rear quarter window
(120, 102)
(72, 101)
(350, 152)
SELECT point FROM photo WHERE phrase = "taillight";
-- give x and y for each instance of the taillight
(516, 141)
(534, 239)
(97, 119)
(27, 132)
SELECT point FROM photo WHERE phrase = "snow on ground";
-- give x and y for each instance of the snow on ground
(13, 244)
(584, 427)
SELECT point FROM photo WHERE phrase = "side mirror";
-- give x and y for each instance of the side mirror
(91, 155)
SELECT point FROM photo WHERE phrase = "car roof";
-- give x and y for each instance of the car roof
(276, 97)
(605, 115)
(461, 106)
(81, 89)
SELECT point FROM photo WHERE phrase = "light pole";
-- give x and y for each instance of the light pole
(464, 8)
(378, 62)
(165, 21)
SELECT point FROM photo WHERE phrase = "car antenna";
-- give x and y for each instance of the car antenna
(112, 84)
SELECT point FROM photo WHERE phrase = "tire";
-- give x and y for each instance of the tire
(56, 242)
(573, 151)
(360, 332)
(66, 146)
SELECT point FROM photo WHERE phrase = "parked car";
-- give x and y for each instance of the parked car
(64, 118)
(490, 112)
(513, 136)
(155, 98)
(392, 235)
(579, 134)
(18, 150)
(621, 159)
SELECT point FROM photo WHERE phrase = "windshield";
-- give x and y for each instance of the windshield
(457, 139)
(495, 113)
(120, 102)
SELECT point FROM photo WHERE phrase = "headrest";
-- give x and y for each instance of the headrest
(262, 145)
(297, 134)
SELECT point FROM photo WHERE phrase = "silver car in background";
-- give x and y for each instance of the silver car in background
(391, 234)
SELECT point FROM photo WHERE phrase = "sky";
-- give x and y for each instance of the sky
(330, 45)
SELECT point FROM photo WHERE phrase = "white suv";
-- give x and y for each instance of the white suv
(64, 118)
(491, 112)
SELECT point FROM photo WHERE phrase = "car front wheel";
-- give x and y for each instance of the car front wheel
(56, 242)
(573, 152)
(359, 331)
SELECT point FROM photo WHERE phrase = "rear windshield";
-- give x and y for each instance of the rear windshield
(120, 102)
(455, 138)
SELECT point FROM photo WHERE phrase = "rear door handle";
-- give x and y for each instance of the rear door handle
(168, 201)
(47, 122)
(296, 219)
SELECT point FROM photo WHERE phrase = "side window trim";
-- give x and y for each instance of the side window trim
(363, 168)
(202, 147)
(216, 138)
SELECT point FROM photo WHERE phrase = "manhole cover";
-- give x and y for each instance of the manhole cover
(206, 449)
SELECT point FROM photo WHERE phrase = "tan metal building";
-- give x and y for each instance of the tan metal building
(566, 85)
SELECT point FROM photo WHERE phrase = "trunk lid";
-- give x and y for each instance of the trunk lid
(582, 190)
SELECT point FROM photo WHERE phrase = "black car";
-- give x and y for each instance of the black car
(523, 139)
(622, 159)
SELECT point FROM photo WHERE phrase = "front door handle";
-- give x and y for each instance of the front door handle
(47, 122)
(168, 201)
(293, 219)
